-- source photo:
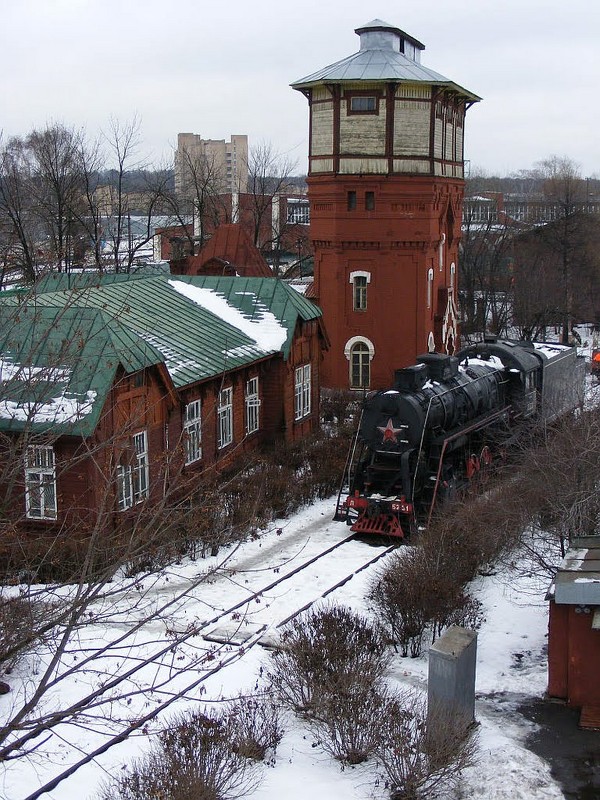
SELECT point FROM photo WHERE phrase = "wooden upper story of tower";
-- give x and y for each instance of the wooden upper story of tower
(381, 112)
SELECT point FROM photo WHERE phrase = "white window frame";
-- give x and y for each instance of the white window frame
(141, 471)
(349, 352)
(360, 280)
(361, 356)
(225, 418)
(133, 480)
(40, 482)
(252, 406)
(302, 391)
(192, 431)
(124, 487)
(429, 287)
(298, 212)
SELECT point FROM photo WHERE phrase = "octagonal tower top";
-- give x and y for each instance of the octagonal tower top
(386, 54)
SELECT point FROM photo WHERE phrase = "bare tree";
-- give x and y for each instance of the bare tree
(269, 173)
(199, 193)
(564, 187)
(54, 154)
(21, 231)
(485, 272)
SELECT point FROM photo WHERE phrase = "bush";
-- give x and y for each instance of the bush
(347, 724)
(418, 594)
(421, 754)
(323, 654)
(256, 728)
(19, 619)
(193, 760)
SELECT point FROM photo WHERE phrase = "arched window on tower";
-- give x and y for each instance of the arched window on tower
(452, 274)
(359, 351)
(429, 287)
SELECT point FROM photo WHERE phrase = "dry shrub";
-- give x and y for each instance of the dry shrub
(421, 754)
(20, 619)
(325, 653)
(192, 760)
(418, 594)
(347, 724)
(256, 727)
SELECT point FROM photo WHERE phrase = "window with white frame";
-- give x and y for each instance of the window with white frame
(141, 482)
(429, 287)
(40, 482)
(360, 352)
(133, 479)
(359, 280)
(252, 406)
(225, 418)
(298, 212)
(360, 366)
(192, 432)
(302, 391)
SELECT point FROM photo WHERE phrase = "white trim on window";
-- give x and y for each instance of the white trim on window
(252, 406)
(429, 287)
(351, 342)
(225, 418)
(133, 480)
(40, 482)
(359, 352)
(192, 431)
(302, 391)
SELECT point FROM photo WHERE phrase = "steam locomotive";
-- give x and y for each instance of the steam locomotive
(442, 423)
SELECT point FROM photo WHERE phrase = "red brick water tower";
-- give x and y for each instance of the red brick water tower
(386, 169)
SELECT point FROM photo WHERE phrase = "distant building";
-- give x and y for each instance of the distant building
(278, 225)
(223, 165)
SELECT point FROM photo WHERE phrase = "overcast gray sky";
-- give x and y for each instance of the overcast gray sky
(217, 68)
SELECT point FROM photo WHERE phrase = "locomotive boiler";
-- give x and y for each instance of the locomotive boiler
(443, 422)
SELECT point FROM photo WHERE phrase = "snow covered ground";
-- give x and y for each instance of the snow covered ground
(511, 668)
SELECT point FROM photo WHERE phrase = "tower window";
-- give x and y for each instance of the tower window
(429, 287)
(362, 104)
(360, 366)
(369, 201)
(351, 201)
(360, 352)
(359, 281)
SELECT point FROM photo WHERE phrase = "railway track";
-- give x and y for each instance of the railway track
(203, 666)
(240, 629)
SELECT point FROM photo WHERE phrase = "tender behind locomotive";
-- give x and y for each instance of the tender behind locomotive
(442, 422)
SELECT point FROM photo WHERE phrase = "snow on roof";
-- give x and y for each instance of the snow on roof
(264, 328)
(173, 360)
(489, 360)
(63, 406)
(57, 409)
(550, 349)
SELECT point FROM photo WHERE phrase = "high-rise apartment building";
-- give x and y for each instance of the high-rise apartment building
(219, 166)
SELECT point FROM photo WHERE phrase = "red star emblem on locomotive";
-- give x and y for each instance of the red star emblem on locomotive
(389, 432)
